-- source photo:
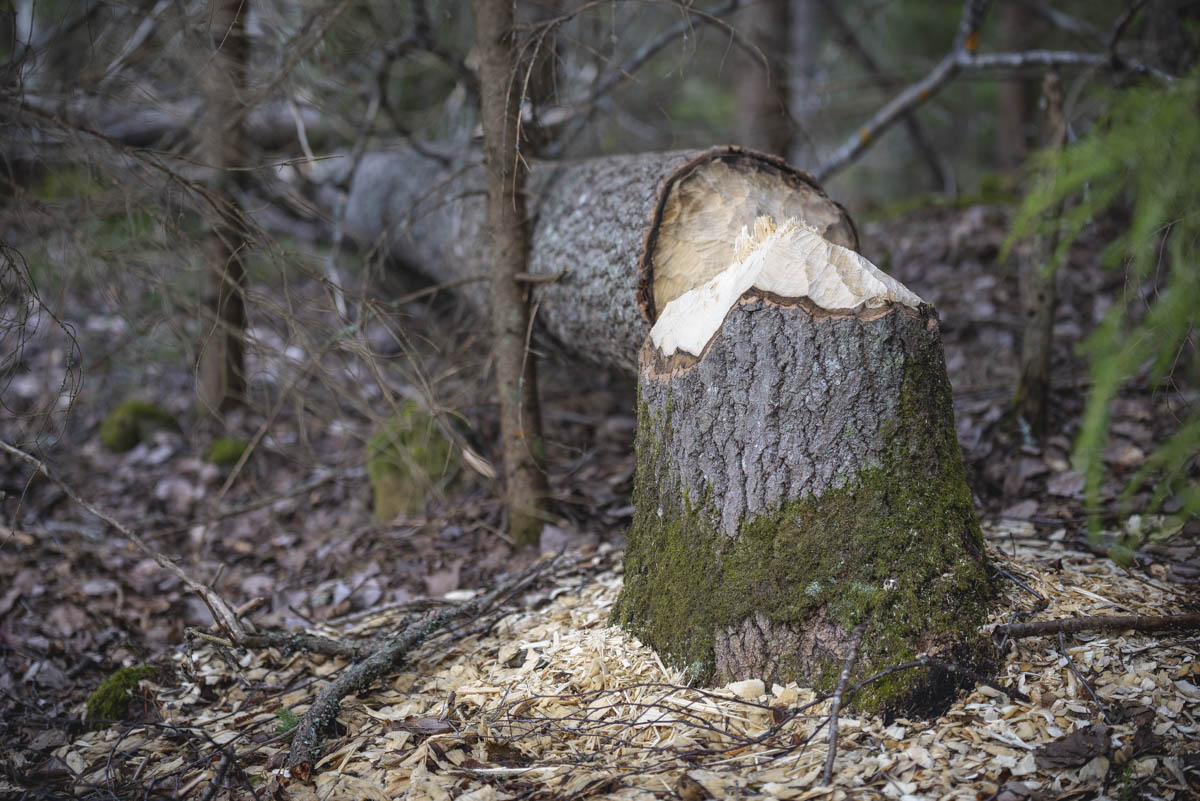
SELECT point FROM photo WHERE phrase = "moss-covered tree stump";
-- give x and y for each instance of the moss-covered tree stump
(798, 475)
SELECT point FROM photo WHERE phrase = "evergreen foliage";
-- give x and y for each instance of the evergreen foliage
(1143, 159)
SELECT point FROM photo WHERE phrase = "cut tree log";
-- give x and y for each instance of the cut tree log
(630, 232)
(799, 475)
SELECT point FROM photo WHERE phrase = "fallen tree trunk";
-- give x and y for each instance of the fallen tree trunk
(799, 476)
(630, 232)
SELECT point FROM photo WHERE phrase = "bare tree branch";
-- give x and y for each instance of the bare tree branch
(916, 133)
(962, 57)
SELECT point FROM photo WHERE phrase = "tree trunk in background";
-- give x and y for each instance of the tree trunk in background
(798, 475)
(1039, 292)
(762, 121)
(222, 356)
(631, 232)
(803, 63)
(1016, 104)
(507, 243)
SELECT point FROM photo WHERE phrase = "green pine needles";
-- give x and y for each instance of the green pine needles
(1143, 156)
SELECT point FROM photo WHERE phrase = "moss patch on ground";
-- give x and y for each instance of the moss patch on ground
(408, 458)
(225, 451)
(111, 699)
(133, 421)
(896, 548)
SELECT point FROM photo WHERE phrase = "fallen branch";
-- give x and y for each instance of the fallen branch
(1062, 649)
(1099, 623)
(220, 609)
(843, 680)
(385, 658)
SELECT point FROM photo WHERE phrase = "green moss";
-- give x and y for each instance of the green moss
(111, 699)
(897, 547)
(131, 422)
(408, 458)
(226, 451)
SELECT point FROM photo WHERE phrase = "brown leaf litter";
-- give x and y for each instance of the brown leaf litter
(551, 702)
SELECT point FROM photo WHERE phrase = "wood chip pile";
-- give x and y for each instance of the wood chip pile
(552, 703)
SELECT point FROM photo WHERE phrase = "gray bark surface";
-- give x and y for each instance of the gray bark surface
(598, 219)
(793, 410)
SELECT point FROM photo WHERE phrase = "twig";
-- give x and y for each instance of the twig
(587, 106)
(385, 658)
(1099, 623)
(221, 611)
(960, 58)
(843, 680)
(938, 169)
(219, 778)
(1062, 649)
(948, 667)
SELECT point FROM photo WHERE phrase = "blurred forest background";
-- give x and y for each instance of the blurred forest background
(192, 340)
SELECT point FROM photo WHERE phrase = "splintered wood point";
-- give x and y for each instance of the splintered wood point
(789, 261)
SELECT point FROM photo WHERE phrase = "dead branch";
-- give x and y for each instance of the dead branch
(843, 680)
(1062, 649)
(584, 110)
(939, 171)
(962, 58)
(220, 609)
(1099, 623)
(384, 659)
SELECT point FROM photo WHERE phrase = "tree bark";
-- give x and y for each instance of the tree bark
(508, 246)
(1039, 290)
(799, 475)
(630, 232)
(762, 121)
(222, 357)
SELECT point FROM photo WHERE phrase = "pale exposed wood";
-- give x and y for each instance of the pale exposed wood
(706, 210)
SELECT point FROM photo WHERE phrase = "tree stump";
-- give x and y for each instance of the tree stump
(798, 474)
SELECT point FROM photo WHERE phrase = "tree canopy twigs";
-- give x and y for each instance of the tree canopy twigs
(961, 58)
(939, 171)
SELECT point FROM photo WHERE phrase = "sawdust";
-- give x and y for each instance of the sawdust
(553, 703)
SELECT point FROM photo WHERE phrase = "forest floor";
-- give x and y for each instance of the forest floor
(294, 526)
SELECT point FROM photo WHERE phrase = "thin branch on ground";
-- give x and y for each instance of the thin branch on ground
(221, 610)
(835, 708)
(1062, 649)
(386, 658)
(1100, 623)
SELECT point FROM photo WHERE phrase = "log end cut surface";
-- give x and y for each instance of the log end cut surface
(708, 200)
(800, 475)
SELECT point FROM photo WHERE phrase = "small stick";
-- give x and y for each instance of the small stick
(843, 680)
(1062, 649)
(221, 611)
(1099, 623)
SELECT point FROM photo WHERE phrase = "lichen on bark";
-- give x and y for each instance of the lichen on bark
(889, 541)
